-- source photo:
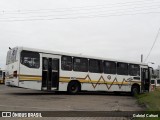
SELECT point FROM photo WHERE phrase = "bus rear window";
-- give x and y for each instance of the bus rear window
(30, 59)
(11, 56)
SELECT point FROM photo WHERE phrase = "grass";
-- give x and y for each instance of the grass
(151, 101)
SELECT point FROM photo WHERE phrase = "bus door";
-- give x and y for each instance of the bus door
(50, 74)
(3, 77)
(145, 79)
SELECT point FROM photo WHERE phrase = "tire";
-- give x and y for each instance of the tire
(73, 87)
(135, 91)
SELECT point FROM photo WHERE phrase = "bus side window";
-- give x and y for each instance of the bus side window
(134, 70)
(122, 68)
(30, 59)
(80, 64)
(66, 63)
(95, 66)
(109, 67)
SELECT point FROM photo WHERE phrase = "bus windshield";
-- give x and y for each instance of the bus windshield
(11, 56)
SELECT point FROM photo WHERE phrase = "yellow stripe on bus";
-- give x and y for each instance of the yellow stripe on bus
(94, 81)
(30, 79)
(81, 80)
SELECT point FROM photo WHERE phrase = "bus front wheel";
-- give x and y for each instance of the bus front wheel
(73, 87)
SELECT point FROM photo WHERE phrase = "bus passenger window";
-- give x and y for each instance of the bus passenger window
(122, 68)
(109, 67)
(134, 70)
(30, 59)
(80, 64)
(95, 66)
(66, 63)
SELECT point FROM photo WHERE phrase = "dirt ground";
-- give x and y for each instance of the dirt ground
(20, 99)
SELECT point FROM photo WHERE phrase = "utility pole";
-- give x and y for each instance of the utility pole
(141, 57)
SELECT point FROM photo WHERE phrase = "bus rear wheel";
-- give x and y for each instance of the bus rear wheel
(73, 87)
(135, 90)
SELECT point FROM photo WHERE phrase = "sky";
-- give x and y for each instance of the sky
(118, 29)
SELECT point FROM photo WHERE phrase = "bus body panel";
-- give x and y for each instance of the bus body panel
(10, 79)
(63, 86)
(30, 77)
(12, 66)
(35, 85)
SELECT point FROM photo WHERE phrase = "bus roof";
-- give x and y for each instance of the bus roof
(76, 55)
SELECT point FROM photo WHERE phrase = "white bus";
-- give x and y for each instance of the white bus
(2, 76)
(57, 71)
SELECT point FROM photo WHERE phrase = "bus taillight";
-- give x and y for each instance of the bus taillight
(15, 74)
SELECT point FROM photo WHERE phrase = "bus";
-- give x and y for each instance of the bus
(2, 76)
(59, 71)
